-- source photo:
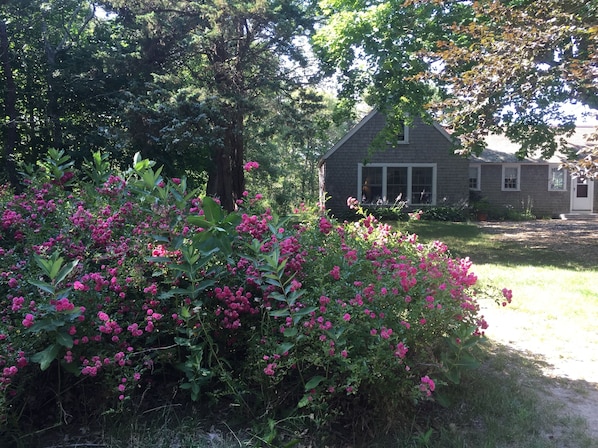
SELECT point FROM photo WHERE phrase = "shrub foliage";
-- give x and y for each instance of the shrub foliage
(114, 284)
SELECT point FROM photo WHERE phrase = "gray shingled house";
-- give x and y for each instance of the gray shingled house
(422, 170)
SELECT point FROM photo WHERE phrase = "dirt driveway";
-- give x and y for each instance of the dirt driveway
(576, 370)
(567, 237)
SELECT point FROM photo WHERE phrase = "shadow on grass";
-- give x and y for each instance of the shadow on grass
(507, 402)
(535, 243)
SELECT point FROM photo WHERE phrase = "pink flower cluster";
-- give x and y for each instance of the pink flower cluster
(235, 303)
(249, 166)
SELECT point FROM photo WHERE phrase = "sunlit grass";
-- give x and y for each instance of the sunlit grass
(552, 318)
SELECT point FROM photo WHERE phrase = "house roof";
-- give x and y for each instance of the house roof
(499, 149)
(361, 124)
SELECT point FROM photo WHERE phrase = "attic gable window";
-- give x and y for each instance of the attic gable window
(385, 184)
(511, 176)
(398, 136)
(556, 178)
(403, 135)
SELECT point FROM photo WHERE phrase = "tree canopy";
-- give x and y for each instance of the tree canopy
(202, 87)
(182, 82)
(479, 67)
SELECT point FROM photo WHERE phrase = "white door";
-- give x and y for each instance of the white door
(582, 193)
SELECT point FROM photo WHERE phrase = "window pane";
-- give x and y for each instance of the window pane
(396, 187)
(371, 190)
(421, 185)
(473, 177)
(557, 179)
(510, 180)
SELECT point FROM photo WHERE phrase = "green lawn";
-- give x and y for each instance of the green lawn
(501, 405)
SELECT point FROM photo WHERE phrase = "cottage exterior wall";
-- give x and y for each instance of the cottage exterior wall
(426, 144)
(533, 194)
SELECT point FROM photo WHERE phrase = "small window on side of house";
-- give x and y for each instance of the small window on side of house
(474, 177)
(556, 178)
(511, 175)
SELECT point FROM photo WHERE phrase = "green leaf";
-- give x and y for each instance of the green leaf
(314, 382)
(46, 325)
(64, 339)
(46, 287)
(212, 210)
(185, 342)
(45, 357)
(199, 222)
(66, 270)
(284, 347)
(290, 332)
(303, 402)
(280, 313)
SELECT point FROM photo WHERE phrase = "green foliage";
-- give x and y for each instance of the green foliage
(455, 213)
(135, 282)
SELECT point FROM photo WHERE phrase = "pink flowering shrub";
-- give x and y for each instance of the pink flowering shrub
(123, 281)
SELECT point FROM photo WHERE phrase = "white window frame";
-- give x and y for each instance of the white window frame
(405, 140)
(478, 168)
(409, 167)
(551, 169)
(502, 180)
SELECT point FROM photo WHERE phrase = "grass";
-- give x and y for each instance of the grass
(554, 310)
(504, 403)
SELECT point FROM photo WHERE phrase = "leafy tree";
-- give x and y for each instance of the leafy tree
(289, 141)
(59, 68)
(479, 67)
(511, 66)
(10, 140)
(230, 53)
(377, 49)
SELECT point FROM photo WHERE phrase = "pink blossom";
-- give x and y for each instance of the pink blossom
(28, 321)
(401, 350)
(269, 370)
(251, 166)
(352, 203)
(427, 385)
(335, 273)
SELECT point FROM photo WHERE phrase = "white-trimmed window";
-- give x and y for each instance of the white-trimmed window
(511, 177)
(475, 177)
(383, 184)
(403, 136)
(556, 178)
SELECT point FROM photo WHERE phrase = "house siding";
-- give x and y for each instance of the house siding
(426, 144)
(533, 193)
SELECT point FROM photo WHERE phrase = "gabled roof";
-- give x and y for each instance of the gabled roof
(361, 124)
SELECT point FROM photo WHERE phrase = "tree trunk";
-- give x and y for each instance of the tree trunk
(10, 101)
(227, 178)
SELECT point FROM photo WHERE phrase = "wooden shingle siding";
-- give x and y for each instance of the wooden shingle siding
(426, 144)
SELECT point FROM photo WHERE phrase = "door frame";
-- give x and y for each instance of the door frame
(575, 207)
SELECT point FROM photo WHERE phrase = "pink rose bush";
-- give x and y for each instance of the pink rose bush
(121, 281)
